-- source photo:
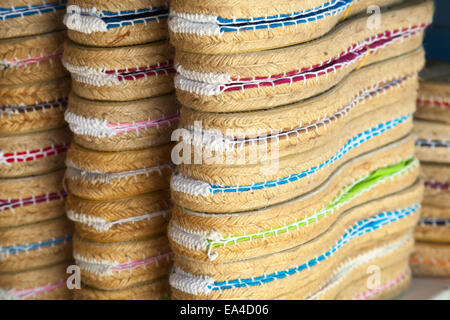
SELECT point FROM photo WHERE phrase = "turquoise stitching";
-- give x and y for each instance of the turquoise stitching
(33, 246)
(358, 229)
(351, 144)
(21, 12)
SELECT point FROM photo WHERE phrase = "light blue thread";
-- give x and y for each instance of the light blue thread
(35, 245)
(19, 12)
(311, 15)
(351, 144)
(358, 229)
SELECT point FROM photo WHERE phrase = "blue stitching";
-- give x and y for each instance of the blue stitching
(358, 229)
(6, 13)
(351, 144)
(35, 245)
(114, 24)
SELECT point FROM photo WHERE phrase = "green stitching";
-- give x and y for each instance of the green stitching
(347, 194)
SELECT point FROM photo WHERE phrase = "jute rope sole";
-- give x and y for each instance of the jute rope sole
(115, 23)
(33, 153)
(29, 200)
(98, 175)
(299, 275)
(48, 283)
(224, 237)
(264, 79)
(437, 182)
(431, 259)
(113, 266)
(35, 245)
(18, 20)
(33, 107)
(212, 27)
(433, 141)
(31, 59)
(120, 74)
(434, 225)
(158, 289)
(238, 188)
(126, 219)
(119, 126)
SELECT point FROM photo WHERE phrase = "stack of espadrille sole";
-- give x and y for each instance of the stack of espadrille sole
(432, 126)
(35, 235)
(324, 187)
(122, 113)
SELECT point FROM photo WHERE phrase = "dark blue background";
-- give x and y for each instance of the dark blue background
(437, 38)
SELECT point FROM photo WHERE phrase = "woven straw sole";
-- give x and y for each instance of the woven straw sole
(429, 232)
(256, 39)
(206, 81)
(120, 265)
(136, 33)
(156, 206)
(376, 81)
(49, 283)
(33, 154)
(119, 126)
(43, 106)
(97, 175)
(433, 102)
(101, 60)
(431, 259)
(31, 25)
(32, 59)
(154, 290)
(437, 180)
(433, 143)
(26, 210)
(205, 178)
(21, 258)
(309, 280)
(275, 217)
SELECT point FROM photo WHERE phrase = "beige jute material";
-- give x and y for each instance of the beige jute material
(286, 166)
(394, 280)
(431, 259)
(136, 33)
(15, 53)
(131, 116)
(281, 61)
(46, 152)
(374, 79)
(347, 286)
(317, 122)
(36, 233)
(26, 189)
(33, 107)
(153, 290)
(432, 131)
(276, 216)
(434, 173)
(31, 24)
(126, 216)
(54, 276)
(309, 280)
(112, 266)
(101, 175)
(434, 93)
(254, 40)
(431, 233)
(99, 60)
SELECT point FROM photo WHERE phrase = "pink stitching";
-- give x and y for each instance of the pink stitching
(162, 68)
(15, 203)
(130, 265)
(31, 155)
(32, 60)
(344, 59)
(370, 293)
(432, 101)
(138, 125)
(27, 293)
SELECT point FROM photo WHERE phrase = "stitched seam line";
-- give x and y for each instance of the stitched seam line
(10, 204)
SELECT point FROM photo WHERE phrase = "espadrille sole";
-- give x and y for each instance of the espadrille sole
(431, 259)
